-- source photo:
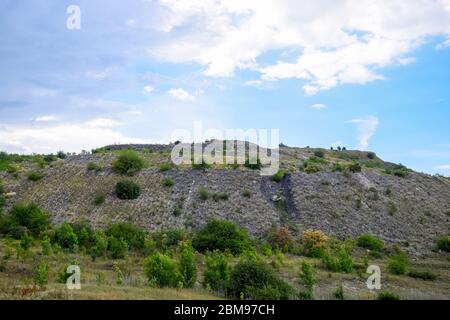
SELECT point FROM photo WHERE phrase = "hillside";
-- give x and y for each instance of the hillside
(318, 191)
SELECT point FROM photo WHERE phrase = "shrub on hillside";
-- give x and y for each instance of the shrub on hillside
(168, 182)
(281, 239)
(308, 280)
(61, 155)
(423, 275)
(221, 235)
(99, 199)
(99, 245)
(312, 168)
(254, 279)
(371, 155)
(314, 243)
(127, 190)
(165, 167)
(40, 276)
(370, 242)
(188, 267)
(389, 296)
(338, 259)
(253, 164)
(24, 218)
(247, 193)
(277, 177)
(131, 234)
(129, 162)
(35, 176)
(166, 239)
(117, 248)
(398, 263)
(443, 243)
(319, 154)
(354, 167)
(92, 166)
(65, 237)
(218, 196)
(203, 194)
(217, 272)
(161, 271)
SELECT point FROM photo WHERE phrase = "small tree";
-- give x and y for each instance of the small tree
(127, 190)
(281, 239)
(162, 271)
(66, 237)
(398, 263)
(188, 267)
(217, 272)
(128, 163)
(100, 245)
(40, 276)
(308, 280)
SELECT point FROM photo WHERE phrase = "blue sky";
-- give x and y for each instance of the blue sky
(358, 74)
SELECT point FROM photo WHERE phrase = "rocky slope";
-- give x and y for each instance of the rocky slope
(410, 211)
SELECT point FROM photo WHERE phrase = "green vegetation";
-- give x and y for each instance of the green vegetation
(128, 163)
(281, 239)
(223, 236)
(168, 182)
(217, 272)
(35, 176)
(354, 167)
(277, 177)
(203, 194)
(254, 279)
(99, 199)
(218, 196)
(165, 167)
(319, 154)
(93, 166)
(308, 280)
(253, 164)
(443, 243)
(247, 193)
(389, 296)
(337, 258)
(370, 242)
(127, 190)
(398, 263)
(65, 237)
(423, 275)
(162, 271)
(188, 268)
(24, 218)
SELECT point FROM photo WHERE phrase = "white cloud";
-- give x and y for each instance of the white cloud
(443, 167)
(103, 123)
(99, 75)
(149, 89)
(47, 118)
(366, 128)
(71, 137)
(181, 94)
(345, 43)
(318, 106)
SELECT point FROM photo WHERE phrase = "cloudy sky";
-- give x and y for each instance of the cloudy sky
(363, 74)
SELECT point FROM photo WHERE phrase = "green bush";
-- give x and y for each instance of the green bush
(370, 242)
(168, 182)
(35, 176)
(281, 239)
(65, 237)
(165, 167)
(40, 276)
(188, 268)
(443, 243)
(371, 155)
(253, 165)
(319, 154)
(203, 194)
(162, 271)
(221, 235)
(129, 162)
(389, 296)
(127, 190)
(423, 275)
(84, 233)
(117, 248)
(277, 177)
(26, 241)
(220, 196)
(99, 199)
(217, 272)
(23, 218)
(250, 278)
(99, 246)
(339, 293)
(247, 193)
(308, 280)
(312, 168)
(61, 155)
(200, 166)
(133, 236)
(354, 167)
(398, 263)
(338, 259)
(168, 239)
(92, 166)
(338, 167)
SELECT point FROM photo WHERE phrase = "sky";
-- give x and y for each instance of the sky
(368, 75)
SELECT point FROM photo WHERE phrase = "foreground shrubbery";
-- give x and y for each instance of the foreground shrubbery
(223, 236)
